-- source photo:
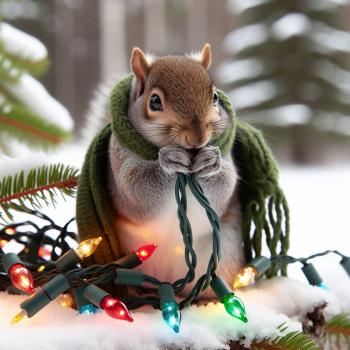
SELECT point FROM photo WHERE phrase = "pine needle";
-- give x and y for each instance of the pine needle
(337, 332)
(37, 188)
(290, 341)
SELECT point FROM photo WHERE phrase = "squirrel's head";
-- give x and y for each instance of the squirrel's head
(173, 99)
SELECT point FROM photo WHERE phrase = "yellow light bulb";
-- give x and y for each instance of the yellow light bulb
(246, 277)
(18, 317)
(87, 247)
(10, 230)
(41, 268)
(66, 300)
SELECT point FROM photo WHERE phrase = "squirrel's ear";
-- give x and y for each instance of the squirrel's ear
(139, 64)
(206, 56)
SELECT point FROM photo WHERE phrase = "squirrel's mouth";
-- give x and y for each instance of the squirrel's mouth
(193, 151)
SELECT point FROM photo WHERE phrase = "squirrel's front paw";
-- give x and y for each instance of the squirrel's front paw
(207, 162)
(174, 159)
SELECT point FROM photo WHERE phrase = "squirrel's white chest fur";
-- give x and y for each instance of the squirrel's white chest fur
(168, 262)
(159, 221)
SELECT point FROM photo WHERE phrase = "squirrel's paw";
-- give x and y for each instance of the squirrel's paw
(207, 162)
(174, 159)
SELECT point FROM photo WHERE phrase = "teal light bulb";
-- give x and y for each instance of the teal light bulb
(323, 286)
(87, 309)
(235, 307)
(171, 315)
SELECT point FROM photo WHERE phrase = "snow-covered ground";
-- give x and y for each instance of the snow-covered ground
(319, 205)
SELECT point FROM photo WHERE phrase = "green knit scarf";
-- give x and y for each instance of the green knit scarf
(265, 215)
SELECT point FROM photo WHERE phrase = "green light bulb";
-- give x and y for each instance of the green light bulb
(171, 315)
(235, 307)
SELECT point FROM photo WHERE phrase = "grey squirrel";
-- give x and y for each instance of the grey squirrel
(174, 105)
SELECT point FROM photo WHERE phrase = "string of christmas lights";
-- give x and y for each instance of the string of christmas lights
(45, 274)
(261, 264)
(63, 273)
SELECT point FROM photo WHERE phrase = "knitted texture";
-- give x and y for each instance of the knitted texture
(264, 207)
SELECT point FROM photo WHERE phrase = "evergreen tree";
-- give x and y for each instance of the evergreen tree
(290, 63)
(31, 115)
(27, 111)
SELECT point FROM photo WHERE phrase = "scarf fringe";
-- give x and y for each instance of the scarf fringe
(264, 206)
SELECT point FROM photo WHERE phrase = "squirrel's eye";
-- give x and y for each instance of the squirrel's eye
(215, 98)
(155, 103)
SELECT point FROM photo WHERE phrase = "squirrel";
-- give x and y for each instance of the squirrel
(173, 103)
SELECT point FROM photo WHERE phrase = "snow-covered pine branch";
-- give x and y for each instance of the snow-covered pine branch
(288, 64)
(27, 111)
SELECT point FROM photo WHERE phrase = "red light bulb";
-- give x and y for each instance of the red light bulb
(21, 278)
(116, 309)
(44, 253)
(145, 251)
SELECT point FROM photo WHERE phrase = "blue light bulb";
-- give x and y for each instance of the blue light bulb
(323, 286)
(87, 309)
(171, 315)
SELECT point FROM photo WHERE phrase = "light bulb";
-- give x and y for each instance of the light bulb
(171, 315)
(67, 301)
(145, 251)
(87, 247)
(88, 309)
(10, 230)
(323, 286)
(21, 278)
(16, 319)
(115, 309)
(44, 253)
(235, 307)
(246, 277)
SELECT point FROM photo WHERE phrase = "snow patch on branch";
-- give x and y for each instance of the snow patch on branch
(21, 44)
(293, 114)
(238, 6)
(254, 93)
(247, 36)
(33, 95)
(292, 24)
(231, 72)
(24, 159)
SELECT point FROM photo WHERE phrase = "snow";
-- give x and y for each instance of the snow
(326, 4)
(292, 24)
(239, 6)
(71, 154)
(333, 73)
(231, 72)
(328, 39)
(208, 327)
(33, 94)
(253, 94)
(244, 37)
(19, 43)
(282, 116)
(318, 199)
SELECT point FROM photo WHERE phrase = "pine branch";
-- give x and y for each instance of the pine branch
(36, 188)
(8, 71)
(290, 341)
(24, 64)
(337, 331)
(339, 324)
(18, 121)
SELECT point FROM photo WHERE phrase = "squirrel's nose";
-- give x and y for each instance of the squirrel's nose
(195, 142)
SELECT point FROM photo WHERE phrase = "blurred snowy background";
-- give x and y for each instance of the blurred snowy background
(285, 64)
